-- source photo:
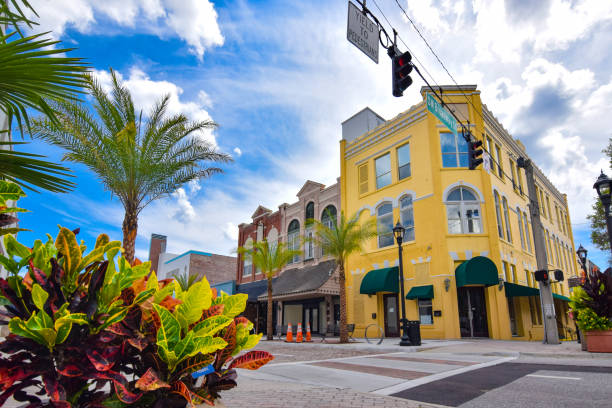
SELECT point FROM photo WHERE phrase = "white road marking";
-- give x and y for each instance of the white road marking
(435, 377)
(330, 359)
(553, 376)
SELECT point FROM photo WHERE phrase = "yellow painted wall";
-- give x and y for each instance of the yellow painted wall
(434, 254)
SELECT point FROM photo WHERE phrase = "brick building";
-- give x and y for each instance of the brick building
(218, 269)
(307, 289)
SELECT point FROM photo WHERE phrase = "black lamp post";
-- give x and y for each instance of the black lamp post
(603, 186)
(582, 255)
(398, 232)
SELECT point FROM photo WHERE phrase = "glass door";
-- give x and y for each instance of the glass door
(391, 316)
(472, 312)
(311, 315)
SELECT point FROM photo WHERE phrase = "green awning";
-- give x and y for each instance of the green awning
(420, 292)
(380, 280)
(561, 297)
(512, 290)
(479, 270)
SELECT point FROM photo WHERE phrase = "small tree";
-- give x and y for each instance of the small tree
(138, 159)
(270, 259)
(341, 239)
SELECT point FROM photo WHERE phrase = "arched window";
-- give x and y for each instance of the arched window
(507, 219)
(328, 217)
(293, 238)
(310, 211)
(272, 239)
(308, 233)
(247, 262)
(500, 225)
(463, 212)
(384, 224)
(407, 217)
(527, 233)
(520, 225)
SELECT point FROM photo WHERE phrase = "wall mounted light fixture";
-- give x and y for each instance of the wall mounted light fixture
(447, 283)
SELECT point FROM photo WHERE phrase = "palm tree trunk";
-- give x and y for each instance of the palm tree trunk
(130, 228)
(343, 317)
(269, 328)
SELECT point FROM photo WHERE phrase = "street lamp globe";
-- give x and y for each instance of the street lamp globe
(582, 254)
(398, 232)
(603, 186)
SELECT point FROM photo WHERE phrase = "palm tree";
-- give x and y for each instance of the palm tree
(137, 159)
(339, 240)
(269, 259)
(32, 71)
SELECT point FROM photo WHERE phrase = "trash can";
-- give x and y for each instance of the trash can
(414, 332)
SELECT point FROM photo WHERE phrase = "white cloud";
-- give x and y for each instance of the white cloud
(193, 21)
(237, 151)
(185, 212)
(146, 92)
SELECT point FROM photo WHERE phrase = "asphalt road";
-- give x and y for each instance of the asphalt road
(517, 384)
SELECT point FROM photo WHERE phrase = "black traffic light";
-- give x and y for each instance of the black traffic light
(541, 276)
(401, 68)
(474, 152)
(558, 275)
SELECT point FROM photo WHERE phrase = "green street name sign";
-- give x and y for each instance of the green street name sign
(444, 115)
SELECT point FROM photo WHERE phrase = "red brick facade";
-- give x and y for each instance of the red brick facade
(156, 247)
(268, 220)
(216, 268)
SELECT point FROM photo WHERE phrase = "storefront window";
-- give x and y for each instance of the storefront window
(425, 311)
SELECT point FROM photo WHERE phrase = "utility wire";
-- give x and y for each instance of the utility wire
(406, 45)
(467, 137)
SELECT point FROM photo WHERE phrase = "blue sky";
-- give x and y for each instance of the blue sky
(279, 77)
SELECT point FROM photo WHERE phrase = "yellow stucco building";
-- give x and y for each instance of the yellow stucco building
(468, 250)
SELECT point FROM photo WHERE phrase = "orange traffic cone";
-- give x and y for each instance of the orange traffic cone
(308, 335)
(298, 337)
(289, 338)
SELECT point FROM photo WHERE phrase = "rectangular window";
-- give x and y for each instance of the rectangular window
(454, 150)
(536, 310)
(425, 311)
(514, 277)
(528, 277)
(513, 175)
(309, 245)
(498, 155)
(542, 208)
(520, 180)
(506, 271)
(247, 266)
(363, 178)
(403, 162)
(383, 170)
(548, 208)
(527, 233)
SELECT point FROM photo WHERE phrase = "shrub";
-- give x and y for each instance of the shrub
(80, 322)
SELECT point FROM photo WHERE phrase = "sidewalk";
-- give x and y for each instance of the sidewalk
(506, 348)
(254, 393)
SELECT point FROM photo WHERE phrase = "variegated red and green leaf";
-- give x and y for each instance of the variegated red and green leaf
(192, 398)
(213, 311)
(229, 335)
(193, 364)
(251, 360)
(150, 381)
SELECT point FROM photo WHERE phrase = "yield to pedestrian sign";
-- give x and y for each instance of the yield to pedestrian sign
(362, 32)
(444, 115)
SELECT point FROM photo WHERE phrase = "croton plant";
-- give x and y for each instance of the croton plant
(87, 329)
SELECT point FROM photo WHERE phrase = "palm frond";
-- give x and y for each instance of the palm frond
(31, 73)
(29, 171)
(13, 13)
(269, 258)
(346, 236)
